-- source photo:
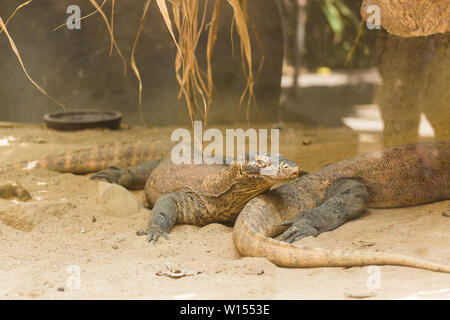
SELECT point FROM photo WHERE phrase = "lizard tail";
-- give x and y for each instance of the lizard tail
(97, 158)
(259, 221)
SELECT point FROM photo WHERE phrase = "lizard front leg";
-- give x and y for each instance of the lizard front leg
(345, 200)
(171, 208)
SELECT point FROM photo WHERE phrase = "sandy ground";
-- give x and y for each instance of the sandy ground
(64, 230)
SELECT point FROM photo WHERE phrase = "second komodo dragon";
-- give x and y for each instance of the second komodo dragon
(323, 200)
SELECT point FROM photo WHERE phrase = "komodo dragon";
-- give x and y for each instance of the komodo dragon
(183, 193)
(321, 201)
(200, 193)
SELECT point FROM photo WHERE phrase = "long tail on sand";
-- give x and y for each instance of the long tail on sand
(256, 224)
(98, 157)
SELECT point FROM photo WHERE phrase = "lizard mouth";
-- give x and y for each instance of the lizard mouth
(285, 174)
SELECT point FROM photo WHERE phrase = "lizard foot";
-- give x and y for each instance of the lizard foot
(298, 229)
(345, 200)
(112, 175)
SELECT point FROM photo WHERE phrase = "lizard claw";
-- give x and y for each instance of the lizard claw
(297, 230)
(154, 233)
(141, 232)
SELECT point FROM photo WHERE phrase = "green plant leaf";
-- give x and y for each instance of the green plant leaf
(333, 16)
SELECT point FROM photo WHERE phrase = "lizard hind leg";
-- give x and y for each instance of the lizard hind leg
(345, 200)
(132, 178)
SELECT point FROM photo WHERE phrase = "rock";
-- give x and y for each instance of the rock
(11, 190)
(117, 200)
(25, 216)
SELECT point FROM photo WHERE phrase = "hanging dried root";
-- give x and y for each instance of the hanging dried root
(186, 25)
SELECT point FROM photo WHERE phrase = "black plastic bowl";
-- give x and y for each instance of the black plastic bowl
(83, 119)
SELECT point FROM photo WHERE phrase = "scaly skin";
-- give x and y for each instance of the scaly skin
(321, 201)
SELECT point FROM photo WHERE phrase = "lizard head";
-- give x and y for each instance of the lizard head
(273, 168)
(257, 173)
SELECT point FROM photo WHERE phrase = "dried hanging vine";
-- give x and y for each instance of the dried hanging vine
(186, 24)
